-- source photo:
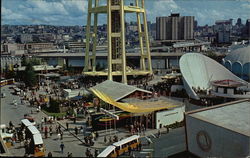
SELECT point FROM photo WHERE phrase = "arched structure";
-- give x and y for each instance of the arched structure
(238, 62)
(237, 68)
(246, 71)
(228, 65)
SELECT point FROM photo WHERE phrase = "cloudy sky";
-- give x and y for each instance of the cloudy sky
(74, 12)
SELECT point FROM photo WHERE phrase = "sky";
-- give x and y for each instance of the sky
(74, 12)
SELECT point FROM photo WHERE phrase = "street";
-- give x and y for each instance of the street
(11, 113)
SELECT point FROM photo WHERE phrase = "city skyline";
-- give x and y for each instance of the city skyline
(74, 12)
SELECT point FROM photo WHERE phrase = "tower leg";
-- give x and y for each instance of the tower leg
(142, 59)
(146, 38)
(109, 31)
(95, 38)
(124, 75)
(86, 67)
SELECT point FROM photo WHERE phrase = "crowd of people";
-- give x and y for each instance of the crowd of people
(89, 154)
(55, 89)
(137, 128)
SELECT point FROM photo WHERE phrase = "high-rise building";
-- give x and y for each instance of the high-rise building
(239, 22)
(223, 37)
(195, 24)
(175, 27)
(248, 28)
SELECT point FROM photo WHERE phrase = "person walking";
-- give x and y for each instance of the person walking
(10, 124)
(70, 155)
(96, 135)
(96, 152)
(46, 132)
(50, 130)
(105, 139)
(143, 129)
(62, 146)
(49, 154)
(57, 129)
(129, 150)
(61, 135)
(159, 133)
(42, 121)
(67, 125)
(76, 130)
(90, 154)
(87, 153)
(139, 146)
(45, 120)
(81, 129)
(93, 135)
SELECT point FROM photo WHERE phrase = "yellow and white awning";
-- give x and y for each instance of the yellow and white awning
(138, 107)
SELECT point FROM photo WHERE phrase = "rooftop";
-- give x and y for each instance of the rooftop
(41, 67)
(233, 116)
(117, 90)
(240, 55)
(154, 102)
(227, 83)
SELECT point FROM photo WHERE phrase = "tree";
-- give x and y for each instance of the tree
(212, 55)
(54, 106)
(30, 76)
(24, 61)
(10, 74)
(35, 61)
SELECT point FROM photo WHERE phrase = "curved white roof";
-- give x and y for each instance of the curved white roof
(241, 55)
(199, 70)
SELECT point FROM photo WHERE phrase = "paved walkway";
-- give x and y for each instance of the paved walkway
(73, 144)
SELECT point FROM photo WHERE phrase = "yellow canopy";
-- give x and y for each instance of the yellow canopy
(139, 107)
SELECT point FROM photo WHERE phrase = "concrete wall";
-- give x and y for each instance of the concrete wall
(224, 142)
(168, 117)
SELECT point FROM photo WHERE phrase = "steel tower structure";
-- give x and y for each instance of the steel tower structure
(115, 10)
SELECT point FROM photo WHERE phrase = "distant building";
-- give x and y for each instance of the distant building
(247, 29)
(13, 48)
(175, 27)
(195, 24)
(238, 61)
(223, 37)
(75, 46)
(39, 46)
(10, 62)
(223, 25)
(25, 38)
(239, 23)
(66, 37)
(20, 49)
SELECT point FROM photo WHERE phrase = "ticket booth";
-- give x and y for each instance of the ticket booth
(7, 139)
(38, 146)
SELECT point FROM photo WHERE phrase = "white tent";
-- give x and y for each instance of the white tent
(199, 70)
